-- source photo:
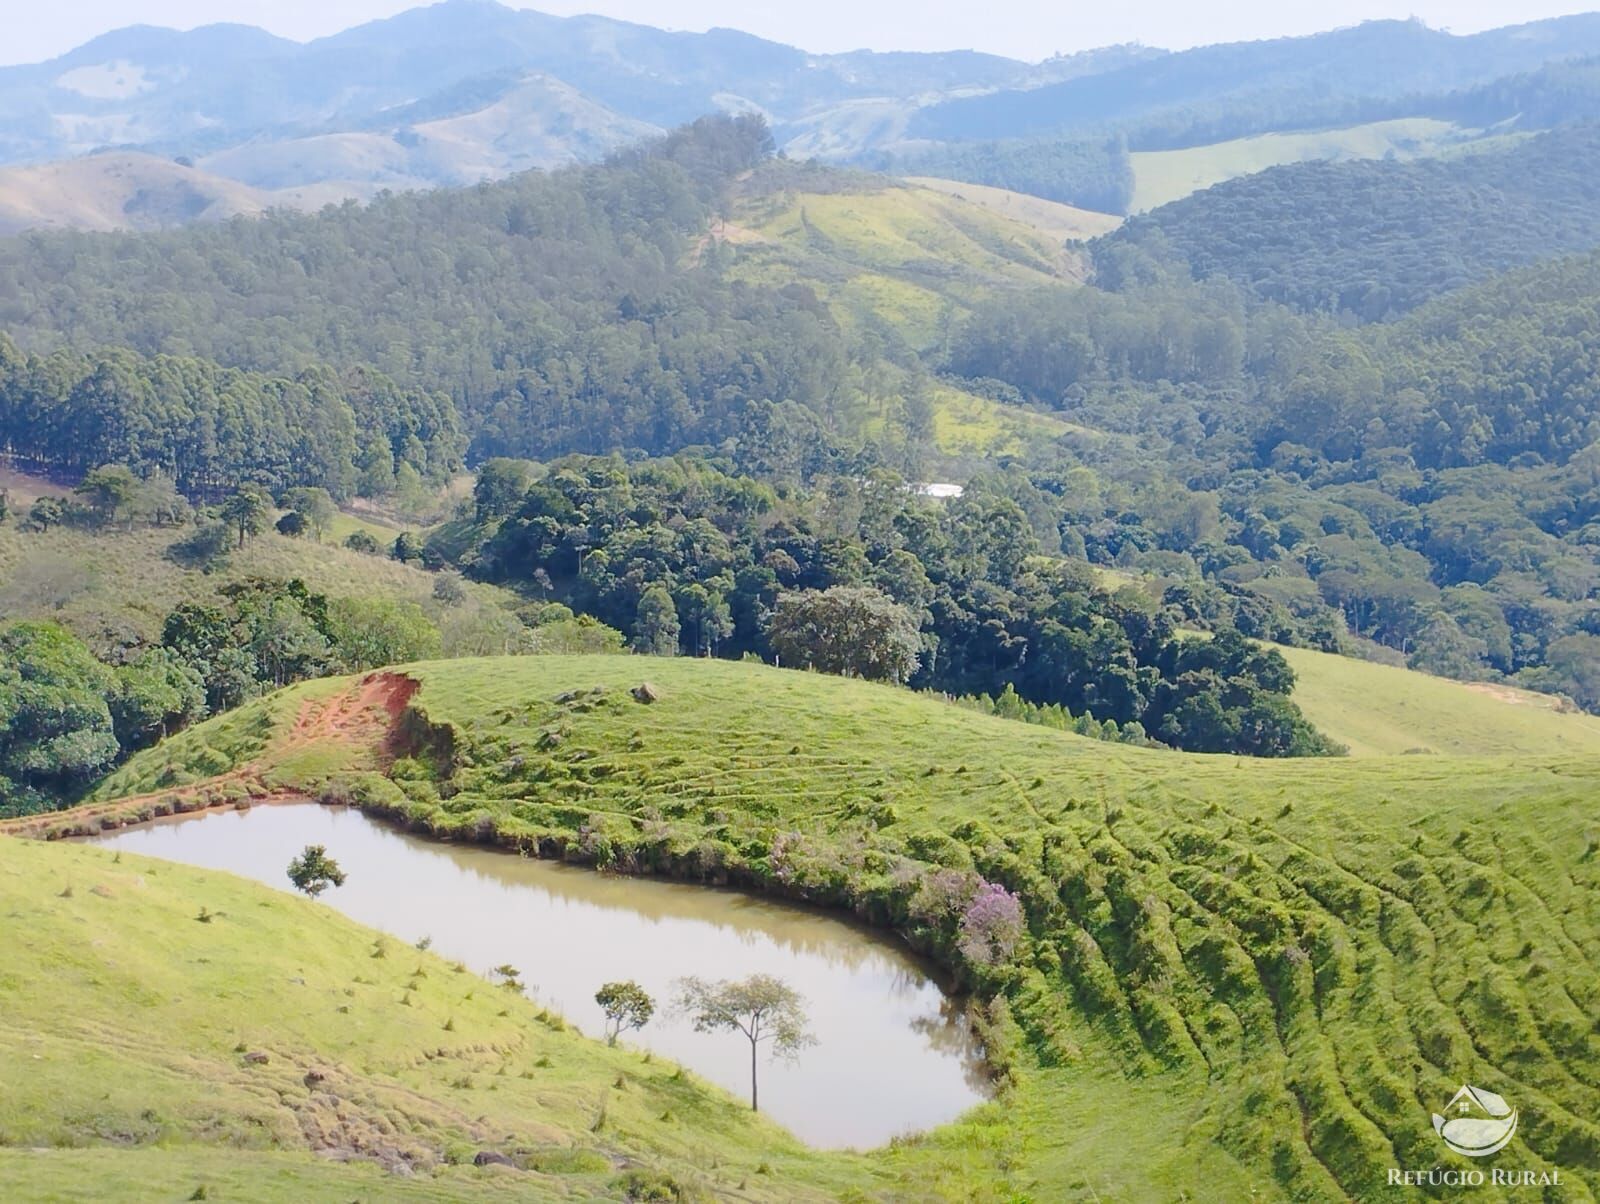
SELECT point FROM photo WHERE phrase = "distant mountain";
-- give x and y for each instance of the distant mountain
(467, 90)
(537, 122)
(220, 87)
(1282, 81)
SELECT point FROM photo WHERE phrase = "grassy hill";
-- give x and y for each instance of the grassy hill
(377, 1053)
(885, 252)
(1299, 959)
(1381, 709)
(120, 191)
(109, 586)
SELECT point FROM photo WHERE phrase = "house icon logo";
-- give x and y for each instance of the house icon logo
(1476, 1122)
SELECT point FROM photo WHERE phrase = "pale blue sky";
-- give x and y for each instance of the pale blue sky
(1027, 29)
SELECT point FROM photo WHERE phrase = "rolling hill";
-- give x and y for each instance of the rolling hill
(121, 191)
(1383, 710)
(1303, 958)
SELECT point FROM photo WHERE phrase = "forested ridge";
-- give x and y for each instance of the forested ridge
(1376, 239)
(556, 311)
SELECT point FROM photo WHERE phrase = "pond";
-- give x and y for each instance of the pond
(893, 1053)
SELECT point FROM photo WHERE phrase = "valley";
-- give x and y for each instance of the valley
(562, 579)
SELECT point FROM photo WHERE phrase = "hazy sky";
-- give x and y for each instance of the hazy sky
(1027, 29)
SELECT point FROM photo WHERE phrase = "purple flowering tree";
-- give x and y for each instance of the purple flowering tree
(991, 926)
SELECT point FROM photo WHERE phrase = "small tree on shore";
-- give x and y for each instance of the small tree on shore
(626, 1006)
(314, 871)
(766, 1010)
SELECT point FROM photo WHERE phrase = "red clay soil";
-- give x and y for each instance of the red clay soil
(367, 715)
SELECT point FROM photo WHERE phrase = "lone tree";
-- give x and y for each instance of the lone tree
(247, 512)
(854, 631)
(314, 871)
(763, 1008)
(626, 1006)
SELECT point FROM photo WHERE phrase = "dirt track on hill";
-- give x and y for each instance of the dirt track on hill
(366, 717)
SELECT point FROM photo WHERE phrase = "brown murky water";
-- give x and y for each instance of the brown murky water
(893, 1054)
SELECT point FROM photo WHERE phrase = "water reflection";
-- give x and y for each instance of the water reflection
(894, 1054)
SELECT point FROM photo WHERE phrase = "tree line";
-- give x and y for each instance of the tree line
(858, 575)
(205, 428)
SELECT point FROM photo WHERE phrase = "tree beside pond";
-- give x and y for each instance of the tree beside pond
(314, 871)
(764, 1009)
(626, 1006)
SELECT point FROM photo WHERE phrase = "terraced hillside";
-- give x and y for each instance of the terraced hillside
(1259, 976)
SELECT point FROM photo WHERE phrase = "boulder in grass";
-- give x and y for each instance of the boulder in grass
(646, 692)
(491, 1158)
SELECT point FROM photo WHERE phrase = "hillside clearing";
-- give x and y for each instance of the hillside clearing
(1163, 176)
(1067, 223)
(890, 253)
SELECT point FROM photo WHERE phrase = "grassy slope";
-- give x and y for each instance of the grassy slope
(1299, 959)
(1163, 176)
(1387, 710)
(911, 256)
(893, 253)
(104, 584)
(1379, 709)
(125, 1023)
(1066, 223)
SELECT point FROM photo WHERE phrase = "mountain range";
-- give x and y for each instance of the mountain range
(468, 90)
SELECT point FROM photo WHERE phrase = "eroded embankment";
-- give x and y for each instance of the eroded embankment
(367, 720)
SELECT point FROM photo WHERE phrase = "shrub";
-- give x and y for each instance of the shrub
(991, 926)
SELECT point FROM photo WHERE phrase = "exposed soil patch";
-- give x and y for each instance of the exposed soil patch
(366, 716)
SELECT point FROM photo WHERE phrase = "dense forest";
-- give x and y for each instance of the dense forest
(1432, 480)
(208, 428)
(1375, 239)
(553, 310)
(1089, 174)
